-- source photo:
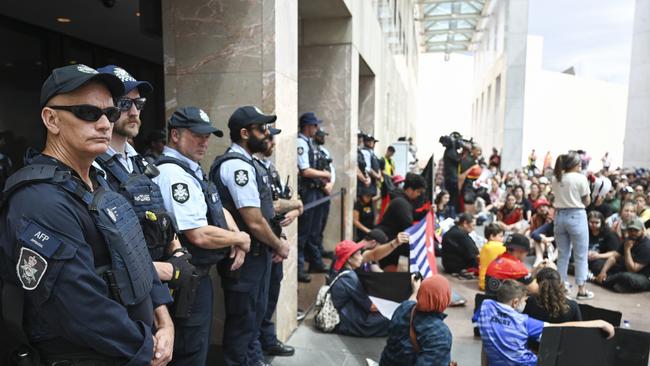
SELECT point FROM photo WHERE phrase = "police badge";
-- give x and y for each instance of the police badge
(30, 268)
(300, 150)
(180, 192)
(241, 177)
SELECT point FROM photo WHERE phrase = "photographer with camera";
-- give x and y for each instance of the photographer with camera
(451, 159)
(470, 170)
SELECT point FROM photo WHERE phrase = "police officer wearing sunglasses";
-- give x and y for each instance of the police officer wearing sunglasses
(74, 265)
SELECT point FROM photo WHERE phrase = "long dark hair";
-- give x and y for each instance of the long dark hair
(565, 162)
(599, 216)
(439, 196)
(551, 292)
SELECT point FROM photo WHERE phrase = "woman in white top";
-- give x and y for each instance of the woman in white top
(571, 190)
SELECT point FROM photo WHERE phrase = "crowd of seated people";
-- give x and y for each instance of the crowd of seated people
(515, 265)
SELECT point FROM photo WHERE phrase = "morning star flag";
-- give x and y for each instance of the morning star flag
(422, 247)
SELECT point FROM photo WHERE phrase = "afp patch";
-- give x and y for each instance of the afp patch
(241, 177)
(300, 150)
(180, 192)
(30, 268)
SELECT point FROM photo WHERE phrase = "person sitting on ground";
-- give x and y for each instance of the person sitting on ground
(363, 214)
(399, 215)
(550, 303)
(459, 252)
(510, 216)
(358, 315)
(443, 209)
(534, 195)
(603, 242)
(376, 246)
(522, 202)
(613, 200)
(490, 250)
(417, 334)
(541, 230)
(510, 266)
(624, 217)
(505, 331)
(628, 269)
(642, 209)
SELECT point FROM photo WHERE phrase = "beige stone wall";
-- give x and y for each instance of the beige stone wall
(225, 54)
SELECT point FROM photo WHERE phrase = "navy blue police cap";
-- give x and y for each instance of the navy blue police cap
(129, 81)
(194, 119)
(309, 118)
(68, 78)
(274, 131)
(321, 132)
(249, 115)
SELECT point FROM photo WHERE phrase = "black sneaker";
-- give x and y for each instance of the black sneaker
(304, 277)
(279, 349)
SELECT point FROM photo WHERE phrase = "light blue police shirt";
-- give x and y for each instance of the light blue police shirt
(303, 152)
(182, 192)
(240, 179)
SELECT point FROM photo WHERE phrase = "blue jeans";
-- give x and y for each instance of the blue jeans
(571, 232)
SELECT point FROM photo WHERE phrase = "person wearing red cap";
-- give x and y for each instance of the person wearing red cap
(358, 315)
(417, 334)
(541, 230)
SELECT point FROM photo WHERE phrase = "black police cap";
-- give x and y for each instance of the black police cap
(249, 115)
(69, 78)
(194, 119)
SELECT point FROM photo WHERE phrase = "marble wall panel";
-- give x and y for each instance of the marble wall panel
(367, 104)
(327, 85)
(222, 54)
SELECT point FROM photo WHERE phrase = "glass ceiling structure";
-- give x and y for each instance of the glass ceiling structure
(448, 26)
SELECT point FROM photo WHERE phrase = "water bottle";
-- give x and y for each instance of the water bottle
(626, 324)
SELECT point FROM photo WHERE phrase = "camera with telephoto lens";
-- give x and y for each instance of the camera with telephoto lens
(455, 140)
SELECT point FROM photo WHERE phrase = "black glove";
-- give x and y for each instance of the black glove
(182, 273)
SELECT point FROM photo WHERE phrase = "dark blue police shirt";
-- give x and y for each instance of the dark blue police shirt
(69, 309)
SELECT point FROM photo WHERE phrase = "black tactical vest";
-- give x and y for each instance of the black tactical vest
(129, 276)
(215, 216)
(264, 190)
(144, 195)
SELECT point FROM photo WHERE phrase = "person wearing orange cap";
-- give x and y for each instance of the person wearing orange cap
(358, 315)
(417, 334)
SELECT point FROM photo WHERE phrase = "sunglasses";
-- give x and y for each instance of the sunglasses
(261, 128)
(90, 113)
(125, 104)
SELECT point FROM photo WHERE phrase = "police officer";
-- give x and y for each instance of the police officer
(121, 161)
(286, 211)
(207, 229)
(371, 162)
(68, 246)
(311, 182)
(324, 162)
(363, 179)
(250, 200)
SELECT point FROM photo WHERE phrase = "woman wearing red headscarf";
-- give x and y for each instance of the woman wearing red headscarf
(417, 334)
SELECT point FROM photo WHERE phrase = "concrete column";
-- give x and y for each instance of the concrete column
(223, 54)
(636, 151)
(516, 29)
(367, 104)
(328, 85)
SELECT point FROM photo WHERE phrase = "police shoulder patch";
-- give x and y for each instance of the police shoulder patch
(180, 192)
(300, 150)
(241, 177)
(30, 268)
